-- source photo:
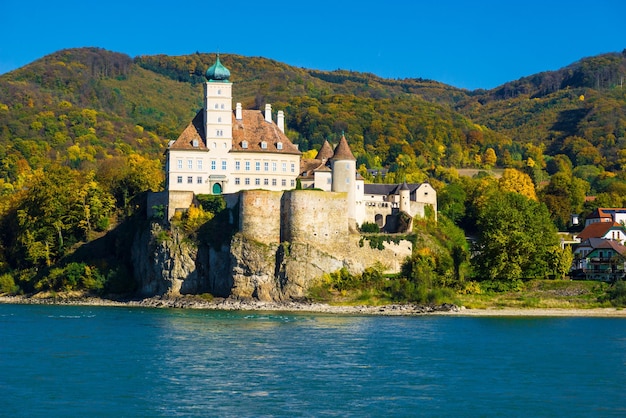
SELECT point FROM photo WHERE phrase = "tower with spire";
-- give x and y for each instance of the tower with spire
(217, 108)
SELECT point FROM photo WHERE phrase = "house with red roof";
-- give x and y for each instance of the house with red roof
(605, 230)
(601, 254)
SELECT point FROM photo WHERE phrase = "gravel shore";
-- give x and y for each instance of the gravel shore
(194, 302)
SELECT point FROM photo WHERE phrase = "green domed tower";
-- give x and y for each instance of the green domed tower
(217, 72)
(218, 108)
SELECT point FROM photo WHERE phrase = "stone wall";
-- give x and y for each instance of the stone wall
(260, 215)
(313, 216)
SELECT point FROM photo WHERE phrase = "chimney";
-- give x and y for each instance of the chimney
(238, 112)
(268, 112)
(280, 121)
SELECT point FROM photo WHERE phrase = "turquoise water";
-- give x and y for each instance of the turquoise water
(104, 361)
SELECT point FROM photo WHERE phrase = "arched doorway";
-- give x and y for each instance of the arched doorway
(217, 188)
(379, 220)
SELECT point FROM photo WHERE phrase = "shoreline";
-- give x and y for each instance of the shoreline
(192, 302)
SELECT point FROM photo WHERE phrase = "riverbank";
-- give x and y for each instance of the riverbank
(195, 302)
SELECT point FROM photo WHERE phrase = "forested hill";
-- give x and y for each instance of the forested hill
(81, 105)
(578, 111)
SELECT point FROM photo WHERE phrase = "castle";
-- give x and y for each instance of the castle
(225, 152)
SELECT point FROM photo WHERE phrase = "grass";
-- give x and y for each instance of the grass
(566, 294)
(545, 294)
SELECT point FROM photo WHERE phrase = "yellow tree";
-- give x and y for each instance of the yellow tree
(490, 158)
(513, 180)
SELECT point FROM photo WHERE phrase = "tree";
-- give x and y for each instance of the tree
(516, 238)
(490, 158)
(513, 180)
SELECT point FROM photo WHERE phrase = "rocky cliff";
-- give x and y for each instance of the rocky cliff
(167, 263)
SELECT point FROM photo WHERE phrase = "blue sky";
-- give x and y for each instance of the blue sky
(480, 44)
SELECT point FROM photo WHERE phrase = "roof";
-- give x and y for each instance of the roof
(307, 166)
(602, 213)
(342, 151)
(254, 129)
(390, 189)
(325, 152)
(595, 243)
(611, 244)
(195, 130)
(217, 72)
(598, 230)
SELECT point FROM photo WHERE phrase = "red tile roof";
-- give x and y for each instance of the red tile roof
(253, 128)
(598, 230)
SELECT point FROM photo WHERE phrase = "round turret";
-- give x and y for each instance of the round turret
(217, 72)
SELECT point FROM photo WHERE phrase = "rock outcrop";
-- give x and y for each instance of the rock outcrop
(167, 263)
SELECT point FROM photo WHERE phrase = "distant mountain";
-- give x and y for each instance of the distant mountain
(82, 105)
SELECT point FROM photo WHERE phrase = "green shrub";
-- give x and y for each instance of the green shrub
(370, 227)
(7, 284)
(617, 293)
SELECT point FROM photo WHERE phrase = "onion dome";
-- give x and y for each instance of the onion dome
(217, 72)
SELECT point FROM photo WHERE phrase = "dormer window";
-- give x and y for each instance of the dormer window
(279, 145)
(244, 144)
(263, 145)
(195, 143)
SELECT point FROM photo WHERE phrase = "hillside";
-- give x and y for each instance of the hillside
(578, 111)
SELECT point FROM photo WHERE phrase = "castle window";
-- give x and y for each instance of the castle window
(266, 166)
(283, 182)
(223, 165)
(284, 167)
(216, 106)
(293, 183)
(219, 119)
(293, 168)
(244, 144)
(257, 166)
(213, 165)
(190, 164)
(263, 145)
(257, 181)
(179, 164)
(266, 182)
(273, 166)
(273, 182)
(247, 165)
(222, 106)
(199, 180)
(194, 143)
(237, 165)
(215, 145)
(237, 181)
(279, 145)
(329, 180)
(247, 181)
(199, 163)
(224, 145)
(179, 179)
(190, 179)
(219, 92)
